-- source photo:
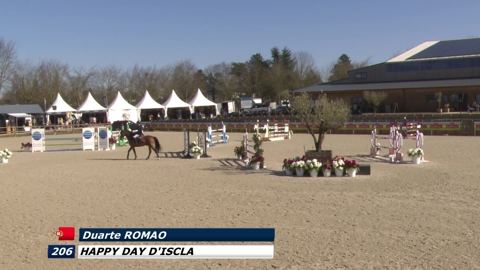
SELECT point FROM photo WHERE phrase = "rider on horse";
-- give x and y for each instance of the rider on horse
(139, 132)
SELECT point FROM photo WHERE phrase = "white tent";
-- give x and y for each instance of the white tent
(62, 106)
(90, 105)
(148, 102)
(175, 102)
(120, 110)
(199, 100)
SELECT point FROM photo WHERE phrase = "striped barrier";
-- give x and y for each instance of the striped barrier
(247, 147)
(275, 132)
(90, 140)
(393, 141)
(396, 139)
(201, 142)
(219, 138)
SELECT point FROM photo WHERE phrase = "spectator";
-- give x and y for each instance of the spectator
(473, 107)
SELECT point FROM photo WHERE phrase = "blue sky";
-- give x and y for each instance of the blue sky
(87, 33)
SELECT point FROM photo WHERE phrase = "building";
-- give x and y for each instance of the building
(412, 79)
(20, 114)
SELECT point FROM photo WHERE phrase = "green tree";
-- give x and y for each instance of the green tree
(324, 115)
(340, 69)
(374, 99)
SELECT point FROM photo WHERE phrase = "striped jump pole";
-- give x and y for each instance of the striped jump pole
(186, 144)
(247, 146)
(223, 134)
(393, 140)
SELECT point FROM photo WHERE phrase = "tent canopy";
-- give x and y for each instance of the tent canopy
(20, 115)
(91, 105)
(62, 106)
(148, 102)
(175, 102)
(119, 103)
(200, 100)
(120, 109)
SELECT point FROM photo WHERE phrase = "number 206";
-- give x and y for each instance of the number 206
(62, 251)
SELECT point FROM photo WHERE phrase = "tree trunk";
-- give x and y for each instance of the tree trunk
(321, 137)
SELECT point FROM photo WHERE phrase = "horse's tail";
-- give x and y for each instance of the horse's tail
(158, 147)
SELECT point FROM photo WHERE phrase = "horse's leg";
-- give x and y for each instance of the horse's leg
(149, 151)
(128, 153)
(135, 152)
(156, 152)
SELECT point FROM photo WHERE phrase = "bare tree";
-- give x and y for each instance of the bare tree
(24, 84)
(361, 64)
(52, 77)
(77, 89)
(374, 99)
(106, 82)
(186, 80)
(8, 58)
(306, 71)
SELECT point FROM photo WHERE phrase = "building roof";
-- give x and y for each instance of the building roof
(327, 87)
(443, 49)
(21, 108)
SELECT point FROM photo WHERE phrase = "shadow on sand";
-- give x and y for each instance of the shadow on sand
(152, 157)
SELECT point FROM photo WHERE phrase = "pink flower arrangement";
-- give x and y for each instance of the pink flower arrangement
(327, 164)
(352, 164)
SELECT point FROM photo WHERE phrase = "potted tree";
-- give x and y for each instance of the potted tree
(447, 107)
(374, 99)
(438, 96)
(325, 115)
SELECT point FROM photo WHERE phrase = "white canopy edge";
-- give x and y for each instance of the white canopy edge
(19, 115)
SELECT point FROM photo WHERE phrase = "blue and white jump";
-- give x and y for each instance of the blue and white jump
(219, 138)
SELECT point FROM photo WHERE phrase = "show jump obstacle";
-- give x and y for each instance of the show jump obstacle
(275, 132)
(91, 139)
(218, 138)
(247, 146)
(201, 142)
(395, 139)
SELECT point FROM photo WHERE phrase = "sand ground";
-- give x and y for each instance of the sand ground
(403, 216)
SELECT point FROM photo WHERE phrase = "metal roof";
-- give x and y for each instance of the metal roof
(21, 108)
(326, 87)
(443, 49)
(449, 48)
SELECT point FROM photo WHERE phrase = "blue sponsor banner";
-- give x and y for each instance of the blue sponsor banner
(177, 235)
(61, 251)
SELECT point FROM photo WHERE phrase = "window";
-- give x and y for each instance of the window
(357, 100)
(360, 75)
(477, 98)
(431, 99)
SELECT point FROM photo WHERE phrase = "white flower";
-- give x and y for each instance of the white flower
(196, 150)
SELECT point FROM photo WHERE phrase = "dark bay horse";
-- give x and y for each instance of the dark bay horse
(146, 140)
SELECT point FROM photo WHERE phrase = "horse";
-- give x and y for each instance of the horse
(146, 140)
